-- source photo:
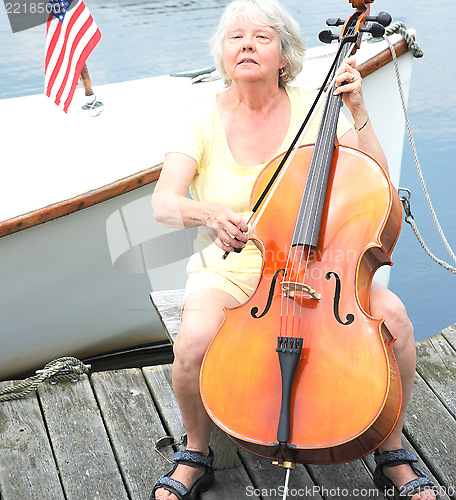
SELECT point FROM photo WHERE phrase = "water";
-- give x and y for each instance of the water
(149, 38)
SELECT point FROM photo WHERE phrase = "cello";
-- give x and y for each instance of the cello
(302, 372)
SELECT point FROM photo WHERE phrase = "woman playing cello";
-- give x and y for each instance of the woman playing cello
(224, 144)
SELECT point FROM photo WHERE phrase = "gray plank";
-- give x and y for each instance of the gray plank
(269, 480)
(344, 481)
(436, 363)
(230, 484)
(450, 334)
(133, 425)
(168, 304)
(27, 465)
(81, 446)
(432, 431)
(160, 383)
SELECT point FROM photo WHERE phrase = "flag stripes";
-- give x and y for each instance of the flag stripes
(68, 44)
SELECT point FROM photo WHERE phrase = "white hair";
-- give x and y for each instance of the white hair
(273, 14)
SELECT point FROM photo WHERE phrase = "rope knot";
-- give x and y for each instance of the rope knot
(67, 368)
(401, 28)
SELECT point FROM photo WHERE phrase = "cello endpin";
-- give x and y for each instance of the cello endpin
(285, 464)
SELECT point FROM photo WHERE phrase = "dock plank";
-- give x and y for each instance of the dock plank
(81, 446)
(160, 382)
(27, 465)
(95, 440)
(450, 335)
(436, 363)
(344, 481)
(230, 484)
(431, 429)
(269, 481)
(168, 304)
(133, 425)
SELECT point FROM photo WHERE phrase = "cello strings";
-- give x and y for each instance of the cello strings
(330, 127)
(315, 197)
(276, 184)
(289, 272)
(329, 124)
(317, 185)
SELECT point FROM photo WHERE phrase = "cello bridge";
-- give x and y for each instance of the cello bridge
(291, 288)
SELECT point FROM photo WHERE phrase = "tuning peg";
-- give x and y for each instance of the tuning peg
(383, 18)
(375, 29)
(335, 22)
(327, 36)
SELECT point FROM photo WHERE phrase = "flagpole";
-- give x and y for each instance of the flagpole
(95, 107)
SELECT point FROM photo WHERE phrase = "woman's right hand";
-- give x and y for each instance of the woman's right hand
(227, 229)
(173, 209)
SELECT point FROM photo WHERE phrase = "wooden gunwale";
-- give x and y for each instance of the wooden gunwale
(144, 177)
(80, 202)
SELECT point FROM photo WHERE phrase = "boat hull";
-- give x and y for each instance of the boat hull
(76, 274)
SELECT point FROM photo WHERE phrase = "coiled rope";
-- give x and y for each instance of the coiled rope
(399, 27)
(67, 368)
(417, 52)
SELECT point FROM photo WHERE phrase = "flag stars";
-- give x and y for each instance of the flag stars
(58, 8)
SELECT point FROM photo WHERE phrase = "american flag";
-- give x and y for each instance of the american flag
(71, 36)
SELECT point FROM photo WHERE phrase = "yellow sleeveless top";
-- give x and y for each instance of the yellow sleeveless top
(219, 178)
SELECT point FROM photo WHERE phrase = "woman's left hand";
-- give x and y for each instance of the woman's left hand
(349, 84)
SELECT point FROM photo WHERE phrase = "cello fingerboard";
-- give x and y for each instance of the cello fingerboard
(308, 223)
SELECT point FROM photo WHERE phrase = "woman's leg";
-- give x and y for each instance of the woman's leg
(385, 304)
(202, 315)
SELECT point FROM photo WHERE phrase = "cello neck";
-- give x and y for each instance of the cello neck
(308, 223)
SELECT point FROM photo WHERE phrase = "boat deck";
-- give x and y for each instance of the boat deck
(94, 439)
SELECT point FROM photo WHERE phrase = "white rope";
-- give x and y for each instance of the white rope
(444, 264)
(400, 27)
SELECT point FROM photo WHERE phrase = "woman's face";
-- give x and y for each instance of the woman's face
(251, 52)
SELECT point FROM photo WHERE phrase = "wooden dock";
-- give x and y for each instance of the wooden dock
(94, 439)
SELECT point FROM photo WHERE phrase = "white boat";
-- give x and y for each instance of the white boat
(79, 249)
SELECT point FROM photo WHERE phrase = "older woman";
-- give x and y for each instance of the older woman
(224, 144)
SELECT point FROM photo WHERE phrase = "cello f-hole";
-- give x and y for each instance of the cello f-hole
(350, 318)
(254, 310)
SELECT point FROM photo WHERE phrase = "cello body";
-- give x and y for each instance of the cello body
(345, 395)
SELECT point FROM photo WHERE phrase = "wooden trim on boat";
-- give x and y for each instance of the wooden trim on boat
(80, 202)
(144, 177)
(382, 59)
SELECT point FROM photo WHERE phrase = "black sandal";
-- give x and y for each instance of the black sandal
(397, 457)
(193, 459)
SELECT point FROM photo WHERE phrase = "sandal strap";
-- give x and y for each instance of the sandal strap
(397, 457)
(194, 458)
(391, 458)
(172, 485)
(416, 485)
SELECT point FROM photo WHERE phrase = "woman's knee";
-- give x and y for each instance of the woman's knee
(191, 343)
(385, 304)
(202, 315)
